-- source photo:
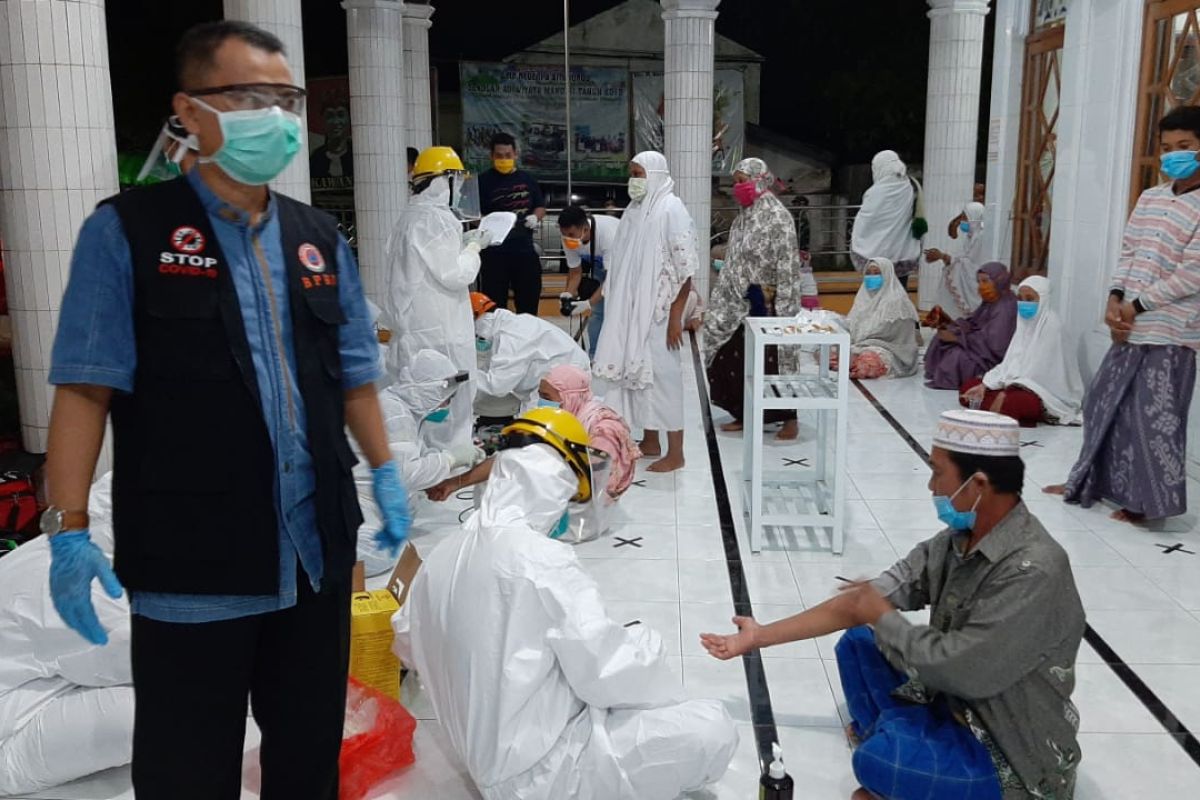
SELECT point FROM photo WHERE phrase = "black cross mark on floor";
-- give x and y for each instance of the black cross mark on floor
(641, 483)
(795, 462)
(1174, 548)
(1034, 443)
(622, 542)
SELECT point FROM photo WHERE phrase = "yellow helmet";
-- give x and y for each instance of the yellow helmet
(562, 431)
(437, 161)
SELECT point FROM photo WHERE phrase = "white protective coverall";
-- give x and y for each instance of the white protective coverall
(542, 694)
(523, 349)
(66, 706)
(420, 389)
(427, 300)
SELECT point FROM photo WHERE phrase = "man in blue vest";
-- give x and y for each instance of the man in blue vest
(224, 328)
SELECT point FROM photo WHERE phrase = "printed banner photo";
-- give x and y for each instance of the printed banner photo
(527, 102)
(729, 116)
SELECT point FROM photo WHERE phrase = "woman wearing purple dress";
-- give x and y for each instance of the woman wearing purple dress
(968, 347)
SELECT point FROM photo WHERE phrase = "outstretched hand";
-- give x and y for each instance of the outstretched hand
(731, 645)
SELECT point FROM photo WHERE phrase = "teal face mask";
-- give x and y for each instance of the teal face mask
(544, 403)
(1027, 309)
(438, 414)
(560, 529)
(873, 282)
(482, 345)
(718, 263)
(257, 144)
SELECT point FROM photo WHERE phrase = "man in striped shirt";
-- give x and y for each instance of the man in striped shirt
(1135, 415)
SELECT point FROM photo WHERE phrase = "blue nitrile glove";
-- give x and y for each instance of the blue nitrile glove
(74, 563)
(392, 499)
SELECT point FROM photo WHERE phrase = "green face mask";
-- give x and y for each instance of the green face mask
(257, 144)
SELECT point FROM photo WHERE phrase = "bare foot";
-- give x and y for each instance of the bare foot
(1058, 489)
(852, 737)
(789, 431)
(667, 463)
(862, 794)
(650, 450)
(731, 427)
(1124, 515)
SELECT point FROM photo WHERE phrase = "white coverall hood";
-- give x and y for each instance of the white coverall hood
(530, 484)
(422, 384)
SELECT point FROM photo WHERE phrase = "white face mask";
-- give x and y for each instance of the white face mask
(637, 189)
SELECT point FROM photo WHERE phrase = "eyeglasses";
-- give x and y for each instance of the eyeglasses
(254, 96)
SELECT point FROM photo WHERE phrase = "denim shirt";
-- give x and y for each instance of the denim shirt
(95, 345)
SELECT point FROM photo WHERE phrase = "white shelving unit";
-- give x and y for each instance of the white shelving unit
(813, 497)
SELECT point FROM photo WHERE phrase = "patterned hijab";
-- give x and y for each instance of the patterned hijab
(762, 251)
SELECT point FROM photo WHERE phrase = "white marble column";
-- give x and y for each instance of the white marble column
(687, 116)
(282, 18)
(951, 121)
(418, 114)
(376, 54)
(1004, 126)
(58, 158)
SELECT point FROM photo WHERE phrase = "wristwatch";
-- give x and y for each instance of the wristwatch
(55, 521)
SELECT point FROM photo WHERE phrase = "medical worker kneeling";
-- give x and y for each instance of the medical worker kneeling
(417, 410)
(515, 351)
(540, 692)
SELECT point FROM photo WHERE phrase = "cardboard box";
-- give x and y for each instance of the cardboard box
(403, 574)
(372, 661)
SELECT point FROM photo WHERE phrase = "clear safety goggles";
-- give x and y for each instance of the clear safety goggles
(255, 96)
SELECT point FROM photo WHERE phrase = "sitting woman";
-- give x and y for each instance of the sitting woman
(570, 388)
(967, 348)
(1037, 381)
(883, 325)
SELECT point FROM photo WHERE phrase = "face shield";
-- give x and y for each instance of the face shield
(464, 195)
(430, 400)
(169, 149)
(586, 516)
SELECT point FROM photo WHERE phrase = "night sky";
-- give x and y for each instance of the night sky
(848, 78)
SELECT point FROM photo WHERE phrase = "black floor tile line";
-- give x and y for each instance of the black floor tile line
(762, 715)
(1157, 708)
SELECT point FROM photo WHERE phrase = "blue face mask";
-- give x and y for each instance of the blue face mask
(544, 403)
(438, 414)
(482, 345)
(257, 144)
(564, 522)
(718, 263)
(873, 282)
(1179, 164)
(950, 516)
(1027, 309)
(964, 226)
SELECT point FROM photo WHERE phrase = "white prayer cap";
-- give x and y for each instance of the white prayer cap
(979, 433)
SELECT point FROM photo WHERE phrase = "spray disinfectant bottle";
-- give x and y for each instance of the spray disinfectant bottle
(776, 784)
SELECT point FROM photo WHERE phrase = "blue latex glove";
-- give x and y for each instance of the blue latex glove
(392, 499)
(74, 563)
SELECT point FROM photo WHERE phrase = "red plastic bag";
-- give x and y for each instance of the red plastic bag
(377, 740)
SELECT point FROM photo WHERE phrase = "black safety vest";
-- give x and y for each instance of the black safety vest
(193, 465)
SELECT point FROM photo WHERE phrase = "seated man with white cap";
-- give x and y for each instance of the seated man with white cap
(976, 704)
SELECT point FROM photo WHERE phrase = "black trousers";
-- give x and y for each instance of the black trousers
(517, 269)
(192, 682)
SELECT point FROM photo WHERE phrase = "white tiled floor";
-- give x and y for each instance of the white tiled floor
(1144, 603)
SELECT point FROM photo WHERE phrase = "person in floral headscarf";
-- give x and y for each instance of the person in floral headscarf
(760, 278)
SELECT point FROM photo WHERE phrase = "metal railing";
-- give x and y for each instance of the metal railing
(825, 229)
